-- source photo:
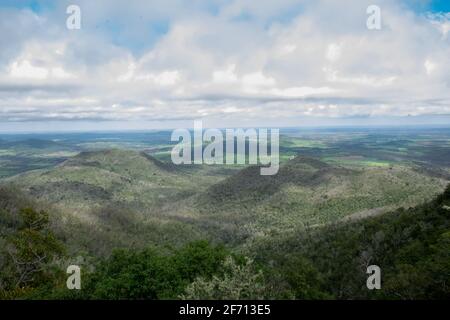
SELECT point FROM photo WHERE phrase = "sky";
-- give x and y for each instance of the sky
(138, 65)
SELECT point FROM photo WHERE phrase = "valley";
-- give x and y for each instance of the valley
(113, 191)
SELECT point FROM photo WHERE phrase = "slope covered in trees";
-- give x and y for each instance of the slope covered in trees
(411, 246)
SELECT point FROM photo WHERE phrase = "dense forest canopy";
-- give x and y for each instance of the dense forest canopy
(411, 246)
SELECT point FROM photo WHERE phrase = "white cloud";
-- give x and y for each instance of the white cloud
(333, 52)
(241, 61)
(372, 81)
(226, 76)
(24, 69)
(165, 78)
(429, 66)
(442, 22)
(302, 91)
(60, 73)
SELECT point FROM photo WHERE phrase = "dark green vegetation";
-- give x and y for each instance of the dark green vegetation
(142, 228)
(412, 247)
(28, 253)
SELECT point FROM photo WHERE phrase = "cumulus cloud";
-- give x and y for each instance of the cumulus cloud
(229, 61)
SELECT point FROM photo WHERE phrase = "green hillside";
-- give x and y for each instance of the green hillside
(305, 192)
(110, 199)
(115, 187)
(411, 246)
(92, 180)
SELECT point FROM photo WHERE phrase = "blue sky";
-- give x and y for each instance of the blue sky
(162, 64)
(439, 6)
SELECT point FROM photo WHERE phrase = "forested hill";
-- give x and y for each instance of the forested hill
(411, 246)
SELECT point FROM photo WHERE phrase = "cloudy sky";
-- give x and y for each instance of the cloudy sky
(232, 63)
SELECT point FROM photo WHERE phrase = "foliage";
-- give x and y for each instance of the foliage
(153, 274)
(237, 282)
(29, 253)
(412, 248)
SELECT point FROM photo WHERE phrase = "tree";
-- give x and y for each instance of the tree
(237, 282)
(29, 252)
(152, 273)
